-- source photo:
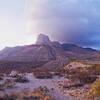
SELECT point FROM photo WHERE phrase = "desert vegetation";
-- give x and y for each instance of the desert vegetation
(25, 96)
(94, 93)
(94, 69)
(42, 74)
(82, 81)
(78, 81)
(40, 93)
(21, 79)
(84, 77)
(1, 78)
(8, 83)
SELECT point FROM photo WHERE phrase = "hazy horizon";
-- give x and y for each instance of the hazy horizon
(72, 21)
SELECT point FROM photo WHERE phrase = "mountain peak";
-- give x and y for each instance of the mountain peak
(43, 39)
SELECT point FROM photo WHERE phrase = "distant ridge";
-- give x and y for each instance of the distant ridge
(76, 49)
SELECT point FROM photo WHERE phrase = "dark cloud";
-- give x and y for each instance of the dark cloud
(74, 21)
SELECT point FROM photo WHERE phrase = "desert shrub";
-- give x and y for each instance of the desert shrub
(83, 76)
(40, 96)
(25, 96)
(21, 79)
(11, 96)
(1, 78)
(8, 83)
(8, 96)
(1, 87)
(42, 92)
(94, 69)
(3, 74)
(47, 98)
(61, 70)
(73, 71)
(73, 86)
(73, 60)
(41, 89)
(94, 93)
(15, 76)
(42, 74)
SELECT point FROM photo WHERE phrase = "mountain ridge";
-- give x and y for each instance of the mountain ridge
(50, 53)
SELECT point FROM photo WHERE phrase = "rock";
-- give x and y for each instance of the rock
(76, 64)
(13, 73)
(43, 39)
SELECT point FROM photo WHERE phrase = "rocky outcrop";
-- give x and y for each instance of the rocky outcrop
(76, 64)
(43, 39)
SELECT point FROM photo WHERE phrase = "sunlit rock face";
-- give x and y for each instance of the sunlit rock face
(43, 39)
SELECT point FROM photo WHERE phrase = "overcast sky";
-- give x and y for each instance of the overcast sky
(72, 21)
(13, 30)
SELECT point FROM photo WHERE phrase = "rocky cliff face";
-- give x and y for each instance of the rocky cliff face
(43, 39)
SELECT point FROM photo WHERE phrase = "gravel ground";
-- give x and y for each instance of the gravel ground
(35, 83)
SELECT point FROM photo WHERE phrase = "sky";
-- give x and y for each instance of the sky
(13, 24)
(71, 21)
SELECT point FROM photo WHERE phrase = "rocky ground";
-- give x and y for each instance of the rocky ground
(29, 84)
(72, 82)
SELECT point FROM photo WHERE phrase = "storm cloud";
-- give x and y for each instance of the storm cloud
(72, 21)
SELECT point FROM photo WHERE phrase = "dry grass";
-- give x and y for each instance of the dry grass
(94, 93)
(42, 74)
(25, 96)
(94, 69)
